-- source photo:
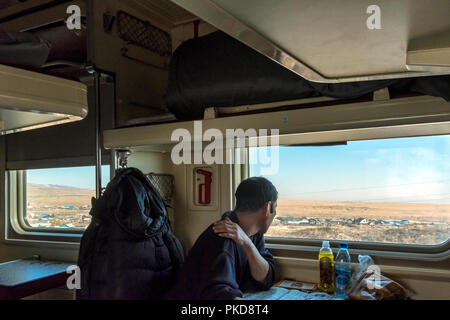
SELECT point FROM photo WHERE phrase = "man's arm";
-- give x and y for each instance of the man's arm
(260, 267)
(271, 274)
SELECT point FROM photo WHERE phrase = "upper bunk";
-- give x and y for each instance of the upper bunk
(339, 41)
(31, 100)
(40, 73)
(171, 66)
(221, 81)
(127, 43)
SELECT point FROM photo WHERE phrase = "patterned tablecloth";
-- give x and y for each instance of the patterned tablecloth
(278, 293)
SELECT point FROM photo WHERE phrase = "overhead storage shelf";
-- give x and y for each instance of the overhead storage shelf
(329, 41)
(30, 100)
(402, 117)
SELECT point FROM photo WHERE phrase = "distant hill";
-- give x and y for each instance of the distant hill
(342, 209)
(54, 186)
(55, 195)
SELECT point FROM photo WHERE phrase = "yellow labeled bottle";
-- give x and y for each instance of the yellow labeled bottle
(326, 264)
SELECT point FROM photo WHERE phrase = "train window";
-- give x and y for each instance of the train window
(60, 198)
(385, 191)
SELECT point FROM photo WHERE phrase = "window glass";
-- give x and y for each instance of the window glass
(61, 198)
(387, 191)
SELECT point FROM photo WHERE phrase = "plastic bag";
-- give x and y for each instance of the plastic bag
(369, 284)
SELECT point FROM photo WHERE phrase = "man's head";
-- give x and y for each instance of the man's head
(256, 201)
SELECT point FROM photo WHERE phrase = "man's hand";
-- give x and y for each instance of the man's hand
(228, 229)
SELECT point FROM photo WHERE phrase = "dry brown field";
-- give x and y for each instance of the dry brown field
(427, 224)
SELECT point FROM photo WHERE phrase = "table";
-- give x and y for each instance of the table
(277, 293)
(25, 277)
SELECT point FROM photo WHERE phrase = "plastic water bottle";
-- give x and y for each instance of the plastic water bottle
(343, 270)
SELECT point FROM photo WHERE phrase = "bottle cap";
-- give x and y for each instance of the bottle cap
(325, 244)
(343, 245)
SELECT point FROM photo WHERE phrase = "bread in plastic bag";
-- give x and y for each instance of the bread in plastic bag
(370, 284)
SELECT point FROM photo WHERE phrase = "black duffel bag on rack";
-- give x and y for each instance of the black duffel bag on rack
(23, 49)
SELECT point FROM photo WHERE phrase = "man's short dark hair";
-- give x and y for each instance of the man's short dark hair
(253, 193)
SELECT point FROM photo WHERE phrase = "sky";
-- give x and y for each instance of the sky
(412, 170)
(78, 177)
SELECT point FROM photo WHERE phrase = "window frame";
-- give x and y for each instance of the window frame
(292, 246)
(14, 232)
(17, 229)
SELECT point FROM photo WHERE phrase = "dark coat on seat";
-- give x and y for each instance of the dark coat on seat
(128, 251)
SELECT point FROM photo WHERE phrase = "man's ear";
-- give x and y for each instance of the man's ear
(267, 208)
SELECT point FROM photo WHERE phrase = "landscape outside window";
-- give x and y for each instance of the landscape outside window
(61, 198)
(387, 191)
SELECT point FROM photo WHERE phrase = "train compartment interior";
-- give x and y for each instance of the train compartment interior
(358, 118)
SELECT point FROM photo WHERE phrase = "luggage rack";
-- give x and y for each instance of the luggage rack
(381, 117)
(164, 183)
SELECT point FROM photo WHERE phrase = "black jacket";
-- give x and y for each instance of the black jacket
(128, 251)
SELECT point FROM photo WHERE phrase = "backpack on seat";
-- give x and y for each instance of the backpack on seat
(129, 250)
